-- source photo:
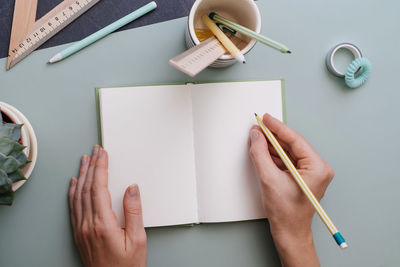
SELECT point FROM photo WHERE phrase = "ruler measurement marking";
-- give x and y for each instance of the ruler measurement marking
(49, 28)
(199, 57)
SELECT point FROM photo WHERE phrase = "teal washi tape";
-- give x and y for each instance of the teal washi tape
(329, 58)
(357, 72)
(363, 68)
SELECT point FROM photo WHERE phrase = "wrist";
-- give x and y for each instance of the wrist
(290, 238)
(289, 229)
(295, 246)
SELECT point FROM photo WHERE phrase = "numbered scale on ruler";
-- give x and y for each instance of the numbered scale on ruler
(25, 40)
(199, 57)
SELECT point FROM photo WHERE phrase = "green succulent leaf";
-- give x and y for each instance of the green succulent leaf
(5, 183)
(16, 176)
(6, 188)
(7, 198)
(5, 131)
(23, 160)
(11, 165)
(7, 162)
(8, 145)
(3, 158)
(15, 133)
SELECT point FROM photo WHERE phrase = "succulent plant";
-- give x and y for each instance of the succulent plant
(12, 160)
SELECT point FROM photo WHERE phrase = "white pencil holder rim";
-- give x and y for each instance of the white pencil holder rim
(224, 58)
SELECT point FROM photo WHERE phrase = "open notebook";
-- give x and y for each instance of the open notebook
(186, 146)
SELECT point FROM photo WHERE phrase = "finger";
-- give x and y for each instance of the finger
(86, 190)
(77, 195)
(133, 212)
(296, 143)
(288, 152)
(71, 193)
(272, 150)
(101, 200)
(266, 168)
(274, 155)
(278, 162)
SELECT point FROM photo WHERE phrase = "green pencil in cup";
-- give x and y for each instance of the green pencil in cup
(252, 34)
(103, 32)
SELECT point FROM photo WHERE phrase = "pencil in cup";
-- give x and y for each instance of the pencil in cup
(226, 42)
(252, 34)
(303, 186)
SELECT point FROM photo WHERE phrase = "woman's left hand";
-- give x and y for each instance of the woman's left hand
(99, 238)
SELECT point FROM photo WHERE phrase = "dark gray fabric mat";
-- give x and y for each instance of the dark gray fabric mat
(102, 14)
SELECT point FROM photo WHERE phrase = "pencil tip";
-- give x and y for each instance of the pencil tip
(289, 52)
(255, 114)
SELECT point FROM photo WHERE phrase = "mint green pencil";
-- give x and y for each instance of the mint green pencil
(252, 34)
(103, 32)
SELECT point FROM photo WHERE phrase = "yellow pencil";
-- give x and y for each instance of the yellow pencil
(226, 42)
(303, 186)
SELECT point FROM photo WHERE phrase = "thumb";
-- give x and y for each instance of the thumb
(133, 211)
(259, 153)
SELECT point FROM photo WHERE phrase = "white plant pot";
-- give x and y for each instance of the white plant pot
(28, 139)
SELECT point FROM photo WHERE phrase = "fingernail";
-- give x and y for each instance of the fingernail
(73, 181)
(84, 159)
(133, 190)
(254, 134)
(96, 149)
(102, 153)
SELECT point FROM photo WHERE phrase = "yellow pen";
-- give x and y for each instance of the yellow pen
(226, 42)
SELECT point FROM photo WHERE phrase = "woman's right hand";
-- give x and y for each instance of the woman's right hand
(289, 211)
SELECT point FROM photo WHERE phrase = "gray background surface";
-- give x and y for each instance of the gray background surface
(355, 130)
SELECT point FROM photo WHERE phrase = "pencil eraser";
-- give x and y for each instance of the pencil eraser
(340, 240)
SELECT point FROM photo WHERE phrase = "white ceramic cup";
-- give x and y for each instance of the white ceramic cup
(243, 12)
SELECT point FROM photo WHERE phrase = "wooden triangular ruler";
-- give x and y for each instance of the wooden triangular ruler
(28, 34)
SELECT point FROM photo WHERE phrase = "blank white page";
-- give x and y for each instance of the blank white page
(148, 133)
(228, 189)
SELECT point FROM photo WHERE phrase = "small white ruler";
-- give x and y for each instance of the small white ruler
(45, 28)
(199, 57)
